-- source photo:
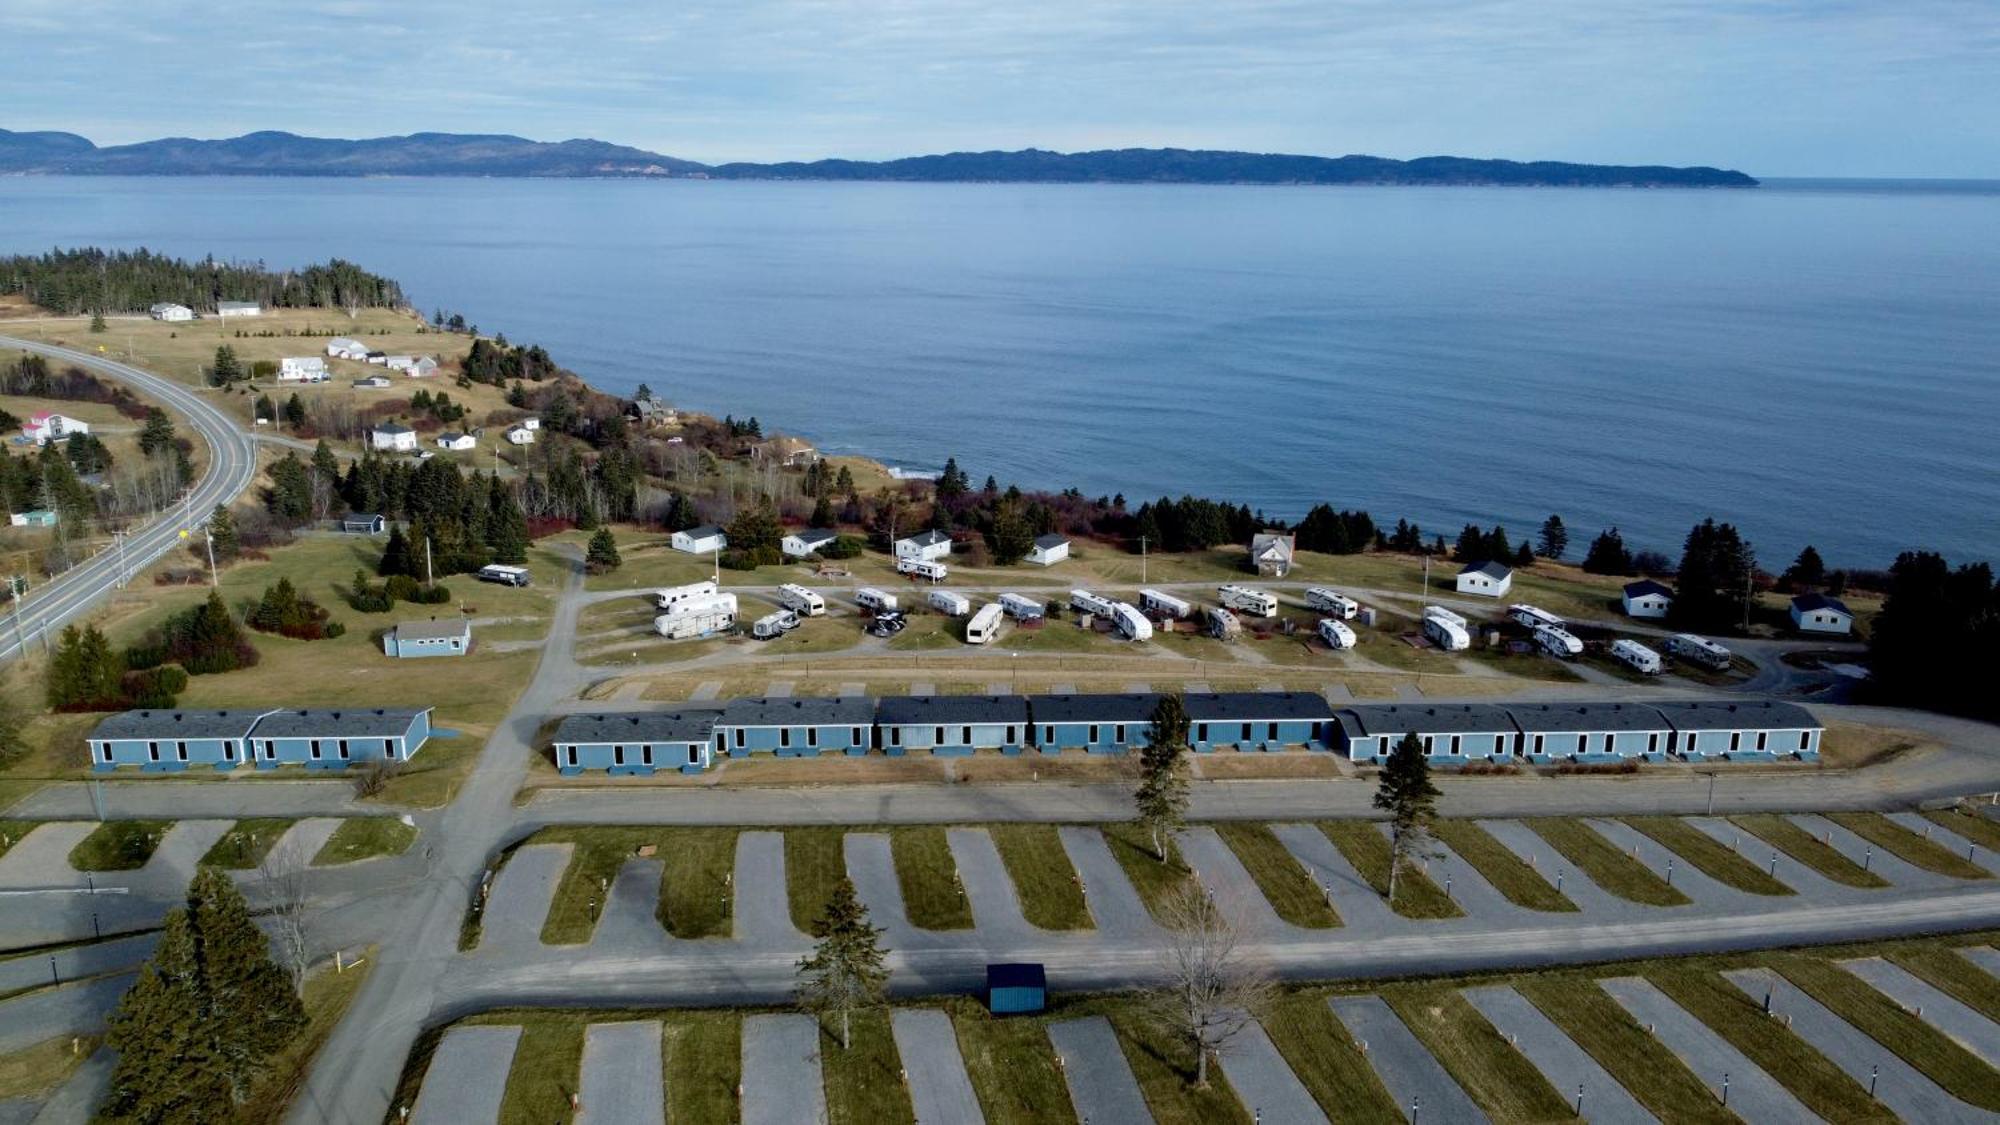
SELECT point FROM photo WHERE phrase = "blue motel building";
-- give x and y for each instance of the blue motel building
(952, 725)
(635, 743)
(1258, 720)
(1109, 723)
(795, 728)
(165, 740)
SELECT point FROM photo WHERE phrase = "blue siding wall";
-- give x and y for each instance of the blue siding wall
(202, 753)
(1052, 738)
(574, 758)
(1257, 735)
(801, 741)
(959, 738)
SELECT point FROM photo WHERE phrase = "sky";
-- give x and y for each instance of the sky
(1772, 87)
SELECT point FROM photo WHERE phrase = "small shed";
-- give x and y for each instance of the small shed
(1049, 550)
(453, 440)
(1271, 553)
(167, 310)
(1817, 613)
(429, 638)
(238, 308)
(1016, 988)
(1486, 579)
(1647, 598)
(704, 540)
(39, 517)
(363, 523)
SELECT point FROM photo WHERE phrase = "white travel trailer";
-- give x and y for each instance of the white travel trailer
(1245, 599)
(1164, 605)
(504, 575)
(922, 568)
(1132, 624)
(698, 617)
(1083, 601)
(774, 625)
(1532, 617)
(673, 596)
(1697, 650)
(1222, 624)
(1636, 656)
(1333, 603)
(1020, 608)
(1443, 614)
(985, 625)
(1335, 633)
(873, 600)
(1558, 643)
(1445, 632)
(800, 600)
(950, 604)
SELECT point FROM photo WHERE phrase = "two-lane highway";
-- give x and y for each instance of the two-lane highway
(232, 466)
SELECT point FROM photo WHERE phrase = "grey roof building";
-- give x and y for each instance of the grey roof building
(1396, 719)
(1536, 718)
(1233, 706)
(951, 710)
(758, 711)
(367, 722)
(176, 724)
(1748, 714)
(1116, 707)
(1493, 570)
(637, 726)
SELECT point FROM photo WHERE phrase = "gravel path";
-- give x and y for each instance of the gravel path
(1100, 1081)
(623, 1083)
(1420, 1084)
(996, 905)
(519, 902)
(1568, 1067)
(763, 913)
(1971, 1030)
(1264, 1081)
(1754, 1095)
(781, 1075)
(1116, 906)
(467, 1077)
(939, 1088)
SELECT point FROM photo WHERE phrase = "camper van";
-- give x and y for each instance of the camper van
(1020, 608)
(1164, 605)
(1446, 633)
(922, 568)
(800, 600)
(1336, 634)
(1531, 618)
(1132, 625)
(672, 596)
(1697, 650)
(873, 600)
(1443, 614)
(1557, 642)
(1083, 601)
(771, 626)
(985, 625)
(950, 604)
(1222, 624)
(1636, 656)
(699, 617)
(1332, 603)
(1244, 599)
(504, 575)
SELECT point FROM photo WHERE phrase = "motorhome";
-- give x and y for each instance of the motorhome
(985, 625)
(504, 575)
(1697, 650)
(873, 600)
(1245, 599)
(1335, 633)
(1557, 642)
(1222, 624)
(774, 625)
(1332, 603)
(672, 596)
(1020, 608)
(1636, 656)
(800, 600)
(1443, 614)
(1083, 601)
(922, 568)
(1132, 625)
(1446, 633)
(1164, 605)
(1532, 618)
(703, 617)
(950, 604)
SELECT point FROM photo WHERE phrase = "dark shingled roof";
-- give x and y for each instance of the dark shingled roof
(1806, 603)
(339, 722)
(1126, 707)
(928, 538)
(757, 711)
(1548, 718)
(1489, 569)
(1398, 719)
(920, 710)
(705, 531)
(1646, 586)
(1047, 541)
(1016, 974)
(1238, 706)
(638, 726)
(815, 535)
(433, 630)
(175, 724)
(1748, 714)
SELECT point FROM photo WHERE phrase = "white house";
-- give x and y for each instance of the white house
(341, 347)
(1487, 579)
(371, 383)
(521, 435)
(415, 366)
(453, 440)
(393, 436)
(531, 423)
(167, 310)
(704, 540)
(238, 308)
(1647, 598)
(302, 369)
(1271, 553)
(1049, 550)
(925, 546)
(806, 541)
(1817, 613)
(45, 426)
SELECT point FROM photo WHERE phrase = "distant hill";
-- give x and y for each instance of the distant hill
(460, 154)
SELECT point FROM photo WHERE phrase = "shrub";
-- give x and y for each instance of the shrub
(375, 777)
(844, 547)
(156, 687)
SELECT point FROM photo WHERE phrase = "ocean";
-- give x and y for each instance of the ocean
(1815, 361)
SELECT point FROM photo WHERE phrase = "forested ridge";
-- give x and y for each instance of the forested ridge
(92, 280)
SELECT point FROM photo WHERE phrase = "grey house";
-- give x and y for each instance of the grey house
(429, 638)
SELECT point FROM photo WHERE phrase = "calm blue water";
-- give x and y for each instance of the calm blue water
(1818, 362)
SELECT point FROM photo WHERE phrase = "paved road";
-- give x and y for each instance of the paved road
(232, 466)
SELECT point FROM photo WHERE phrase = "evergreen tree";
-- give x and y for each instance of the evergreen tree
(846, 969)
(953, 482)
(756, 534)
(1013, 538)
(1162, 795)
(843, 482)
(97, 321)
(1498, 549)
(1807, 572)
(1471, 546)
(227, 368)
(396, 555)
(1554, 539)
(1525, 556)
(1936, 642)
(289, 499)
(1608, 554)
(1406, 793)
(506, 525)
(266, 410)
(222, 533)
(295, 412)
(603, 553)
(822, 513)
(517, 395)
(85, 673)
(158, 432)
(1713, 584)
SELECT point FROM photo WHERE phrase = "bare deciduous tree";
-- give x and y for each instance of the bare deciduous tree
(1213, 988)
(282, 877)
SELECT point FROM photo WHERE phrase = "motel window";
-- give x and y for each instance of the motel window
(965, 734)
(1010, 734)
(1653, 743)
(1693, 740)
(1093, 732)
(694, 755)
(937, 736)
(1119, 733)
(1805, 742)
(181, 751)
(270, 749)
(1430, 744)
(895, 736)
(1454, 746)
(1049, 735)
(617, 755)
(1499, 744)
(812, 736)
(1271, 732)
(739, 736)
(343, 748)
(1735, 741)
(1538, 744)
(389, 748)
(1201, 732)
(315, 749)
(1760, 740)
(572, 755)
(857, 740)
(1609, 741)
(105, 749)
(646, 754)
(153, 751)
(784, 736)
(1246, 732)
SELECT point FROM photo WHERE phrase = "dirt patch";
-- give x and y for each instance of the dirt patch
(1853, 745)
(1291, 764)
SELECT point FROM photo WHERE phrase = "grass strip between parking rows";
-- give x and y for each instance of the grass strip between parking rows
(1974, 827)
(933, 896)
(815, 862)
(1488, 1068)
(864, 1081)
(1908, 846)
(703, 1064)
(1783, 834)
(1611, 869)
(11, 832)
(1497, 863)
(1154, 879)
(696, 898)
(247, 843)
(119, 845)
(365, 837)
(1367, 851)
(1952, 973)
(1279, 875)
(1939, 1057)
(548, 1062)
(1710, 856)
(1012, 1067)
(1628, 1052)
(1045, 881)
(1327, 1061)
(1165, 1070)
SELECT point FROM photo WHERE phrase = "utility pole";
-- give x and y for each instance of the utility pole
(1142, 560)
(1747, 570)
(123, 574)
(430, 575)
(214, 581)
(18, 586)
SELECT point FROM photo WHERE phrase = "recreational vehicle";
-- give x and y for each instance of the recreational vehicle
(949, 603)
(1020, 608)
(1636, 656)
(1335, 633)
(672, 596)
(1697, 650)
(1557, 642)
(1446, 633)
(774, 625)
(1164, 605)
(1222, 624)
(873, 600)
(1083, 601)
(1443, 614)
(1332, 603)
(985, 625)
(1132, 625)
(504, 575)
(800, 600)
(1531, 618)
(703, 617)
(1244, 599)
(922, 568)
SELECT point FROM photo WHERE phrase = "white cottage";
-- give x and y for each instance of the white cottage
(927, 546)
(521, 435)
(455, 441)
(1647, 598)
(1271, 553)
(807, 541)
(415, 366)
(45, 426)
(394, 437)
(341, 347)
(1049, 550)
(1817, 613)
(238, 308)
(704, 540)
(167, 310)
(1486, 579)
(302, 369)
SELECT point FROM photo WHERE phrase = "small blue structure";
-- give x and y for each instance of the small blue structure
(952, 725)
(164, 741)
(795, 728)
(639, 742)
(1016, 988)
(1099, 724)
(1258, 720)
(336, 739)
(1450, 731)
(429, 638)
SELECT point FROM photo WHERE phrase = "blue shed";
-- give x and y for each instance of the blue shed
(639, 742)
(952, 725)
(1099, 724)
(171, 740)
(1257, 720)
(795, 728)
(429, 638)
(1451, 732)
(335, 739)
(1016, 988)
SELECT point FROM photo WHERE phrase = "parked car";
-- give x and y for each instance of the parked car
(887, 623)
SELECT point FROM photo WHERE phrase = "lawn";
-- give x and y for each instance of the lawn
(1012, 1067)
(1154, 879)
(1972, 826)
(696, 896)
(547, 1065)
(1279, 875)
(1851, 745)
(247, 842)
(814, 864)
(1939, 1057)
(933, 897)
(1952, 973)
(33, 1073)
(365, 837)
(1709, 855)
(1498, 1077)
(1045, 882)
(1781, 833)
(1522, 884)
(11, 832)
(1367, 851)
(1611, 869)
(1908, 846)
(327, 996)
(704, 1064)
(119, 845)
(863, 1082)
(1640, 1063)
(1165, 1070)
(1318, 1048)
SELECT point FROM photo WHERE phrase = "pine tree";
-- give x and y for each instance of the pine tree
(222, 533)
(1525, 556)
(395, 555)
(1608, 554)
(227, 368)
(97, 321)
(157, 433)
(822, 513)
(266, 410)
(846, 969)
(1162, 795)
(1554, 539)
(506, 525)
(295, 412)
(1471, 546)
(1012, 537)
(1406, 793)
(290, 496)
(1807, 572)
(603, 553)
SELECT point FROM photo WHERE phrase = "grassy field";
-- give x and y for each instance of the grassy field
(119, 845)
(1045, 881)
(33, 1073)
(1908, 846)
(1611, 869)
(1154, 879)
(365, 837)
(546, 1071)
(247, 842)
(326, 999)
(1367, 851)
(1976, 828)
(1851, 745)
(1712, 857)
(933, 897)
(1640, 1063)
(696, 897)
(1495, 1075)
(863, 1081)
(1803, 846)
(1012, 1067)
(1327, 1061)
(1279, 875)
(11, 832)
(814, 865)
(1937, 1056)
(1165, 1070)
(704, 1064)
(1497, 863)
